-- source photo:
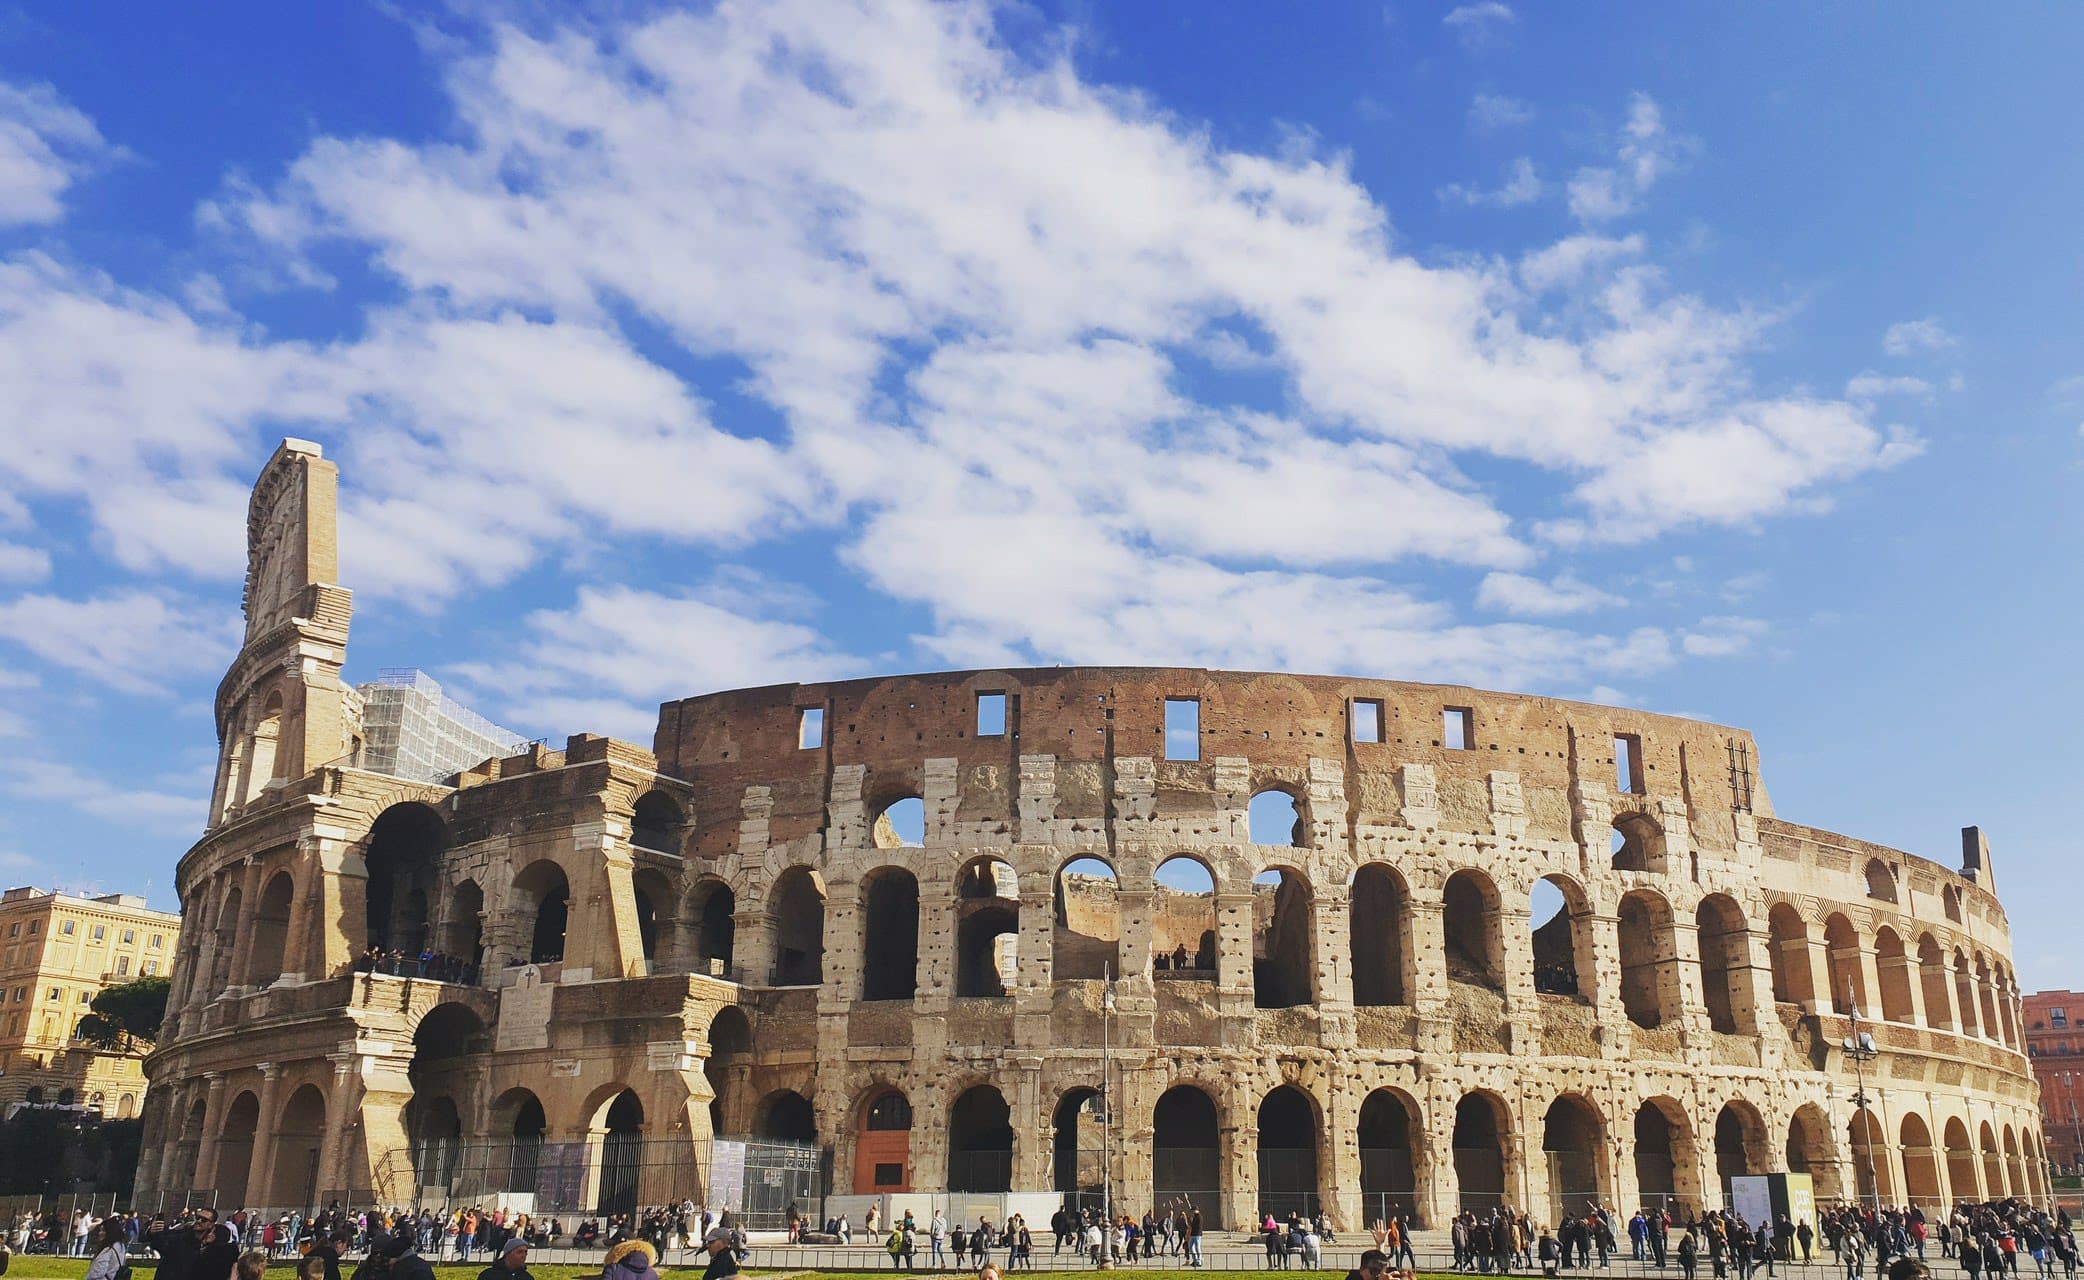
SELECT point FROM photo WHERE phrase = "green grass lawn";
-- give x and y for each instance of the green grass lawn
(39, 1267)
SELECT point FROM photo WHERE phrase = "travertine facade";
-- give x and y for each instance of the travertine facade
(728, 935)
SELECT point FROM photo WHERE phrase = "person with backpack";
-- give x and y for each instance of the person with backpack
(110, 1257)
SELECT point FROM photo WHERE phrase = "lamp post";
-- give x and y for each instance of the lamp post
(1107, 1114)
(1859, 1047)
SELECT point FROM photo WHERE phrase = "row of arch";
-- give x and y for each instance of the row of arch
(126, 1104)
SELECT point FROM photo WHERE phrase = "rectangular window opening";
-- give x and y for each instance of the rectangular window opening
(810, 728)
(890, 1175)
(991, 715)
(1182, 728)
(1628, 763)
(1458, 729)
(1367, 720)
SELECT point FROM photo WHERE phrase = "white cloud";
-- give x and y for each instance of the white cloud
(42, 781)
(1478, 22)
(1490, 111)
(20, 563)
(1520, 185)
(1645, 152)
(130, 640)
(1869, 385)
(1522, 596)
(1909, 337)
(1722, 637)
(1569, 261)
(45, 145)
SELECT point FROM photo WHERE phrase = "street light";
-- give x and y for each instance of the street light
(1859, 1046)
(1107, 1113)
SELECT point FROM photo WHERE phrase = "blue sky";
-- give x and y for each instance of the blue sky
(1723, 361)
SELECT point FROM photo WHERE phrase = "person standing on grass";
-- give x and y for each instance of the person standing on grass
(723, 1262)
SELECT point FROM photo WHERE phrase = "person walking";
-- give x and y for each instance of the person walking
(937, 1239)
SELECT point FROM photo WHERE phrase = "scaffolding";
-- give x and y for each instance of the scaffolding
(411, 729)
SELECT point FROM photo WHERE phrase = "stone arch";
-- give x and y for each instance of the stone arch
(1725, 964)
(1077, 1174)
(730, 1060)
(2014, 1167)
(1793, 981)
(900, 823)
(657, 823)
(1986, 993)
(1809, 1151)
(1741, 1145)
(519, 1123)
(1842, 946)
(235, 1148)
(1881, 881)
(1637, 843)
(1087, 932)
(1391, 1136)
(1482, 1150)
(619, 1119)
(2007, 1004)
(1284, 969)
(1278, 815)
(1472, 920)
(1892, 964)
(1649, 959)
(1183, 910)
(299, 1134)
(190, 1142)
(1993, 1163)
(797, 909)
(1872, 1172)
(715, 913)
(1950, 902)
(542, 899)
(443, 1042)
(1573, 1141)
(1379, 924)
(126, 1106)
(403, 860)
(987, 927)
(1965, 1008)
(786, 1116)
(1932, 981)
(1560, 915)
(980, 1141)
(1922, 1181)
(1960, 1157)
(883, 1142)
(463, 926)
(268, 933)
(230, 922)
(1288, 1141)
(650, 893)
(1666, 1164)
(1186, 1151)
(889, 934)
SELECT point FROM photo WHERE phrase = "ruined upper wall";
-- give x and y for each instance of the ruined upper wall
(1088, 718)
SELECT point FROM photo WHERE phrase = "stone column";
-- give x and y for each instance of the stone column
(342, 1105)
(1428, 988)
(260, 1179)
(249, 904)
(1806, 955)
(1338, 1152)
(1522, 1007)
(1870, 978)
(213, 1120)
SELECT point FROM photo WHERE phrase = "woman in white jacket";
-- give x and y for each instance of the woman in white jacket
(110, 1257)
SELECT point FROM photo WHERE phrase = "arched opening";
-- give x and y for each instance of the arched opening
(1470, 918)
(730, 1060)
(655, 823)
(883, 1144)
(1921, 1179)
(2007, 1005)
(1637, 843)
(1950, 902)
(518, 1114)
(1287, 1153)
(270, 931)
(1283, 917)
(1868, 1143)
(235, 1148)
(1388, 1133)
(1741, 1147)
(126, 1106)
(1560, 916)
(1183, 927)
(403, 859)
(188, 1160)
(34, 1096)
(786, 1116)
(230, 920)
(298, 1136)
(716, 929)
(622, 1154)
(1725, 964)
(462, 936)
(1663, 1153)
(1186, 1165)
(987, 928)
(1842, 949)
(1649, 959)
(1379, 925)
(1078, 1176)
(1573, 1141)
(1809, 1151)
(439, 1072)
(649, 891)
(1086, 942)
(1965, 1007)
(2015, 1168)
(265, 759)
(980, 1141)
(890, 935)
(67, 1097)
(1792, 980)
(1881, 881)
(1992, 1028)
(1960, 1162)
(901, 824)
(797, 908)
(1274, 818)
(1993, 1164)
(1481, 1124)
(1892, 965)
(542, 898)
(1932, 980)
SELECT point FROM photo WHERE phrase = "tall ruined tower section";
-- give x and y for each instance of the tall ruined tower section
(282, 709)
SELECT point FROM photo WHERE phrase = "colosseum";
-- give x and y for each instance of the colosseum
(1334, 942)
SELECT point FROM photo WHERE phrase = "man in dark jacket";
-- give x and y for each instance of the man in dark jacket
(723, 1261)
(405, 1264)
(512, 1263)
(182, 1249)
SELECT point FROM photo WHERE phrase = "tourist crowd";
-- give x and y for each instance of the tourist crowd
(437, 965)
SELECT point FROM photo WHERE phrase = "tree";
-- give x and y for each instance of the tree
(127, 1015)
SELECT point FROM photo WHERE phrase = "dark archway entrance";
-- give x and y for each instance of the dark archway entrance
(1187, 1165)
(1287, 1153)
(980, 1141)
(1388, 1176)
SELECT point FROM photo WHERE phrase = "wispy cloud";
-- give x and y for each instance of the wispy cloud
(1644, 153)
(1520, 185)
(1909, 337)
(1478, 23)
(46, 144)
(1492, 111)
